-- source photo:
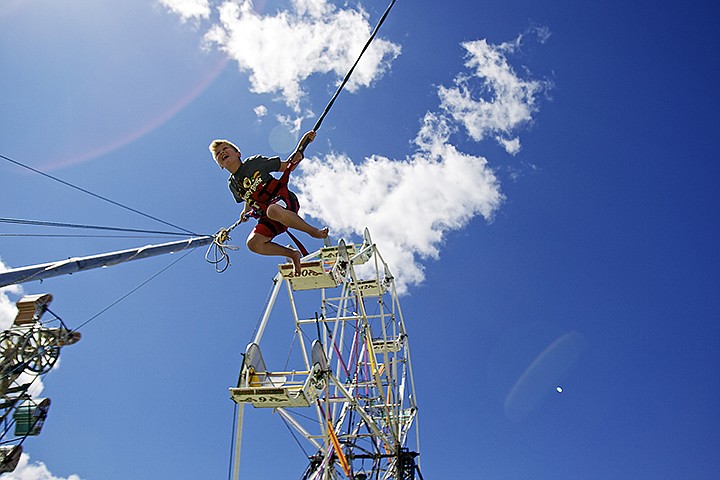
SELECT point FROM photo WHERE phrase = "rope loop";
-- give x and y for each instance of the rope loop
(217, 251)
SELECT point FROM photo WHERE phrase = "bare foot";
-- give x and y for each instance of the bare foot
(295, 257)
(321, 232)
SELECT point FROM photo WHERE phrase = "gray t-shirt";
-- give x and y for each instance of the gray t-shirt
(252, 174)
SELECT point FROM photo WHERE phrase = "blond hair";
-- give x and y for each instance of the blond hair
(217, 143)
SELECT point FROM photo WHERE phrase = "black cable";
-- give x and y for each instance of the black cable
(43, 223)
(132, 291)
(21, 367)
(349, 73)
(293, 435)
(119, 299)
(306, 417)
(80, 236)
(94, 194)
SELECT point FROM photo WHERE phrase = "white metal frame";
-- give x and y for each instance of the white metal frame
(361, 384)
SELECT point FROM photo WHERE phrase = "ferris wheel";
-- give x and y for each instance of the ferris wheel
(347, 388)
(29, 348)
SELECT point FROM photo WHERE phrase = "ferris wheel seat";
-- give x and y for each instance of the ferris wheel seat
(10, 457)
(265, 379)
(31, 307)
(329, 255)
(30, 416)
(326, 268)
(369, 288)
(266, 389)
(390, 345)
(271, 397)
(312, 276)
(273, 390)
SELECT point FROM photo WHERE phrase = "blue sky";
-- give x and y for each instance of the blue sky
(541, 175)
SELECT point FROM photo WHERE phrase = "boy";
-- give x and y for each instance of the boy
(266, 197)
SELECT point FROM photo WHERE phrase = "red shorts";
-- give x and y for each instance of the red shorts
(270, 228)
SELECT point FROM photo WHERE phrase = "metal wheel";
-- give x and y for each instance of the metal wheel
(10, 347)
(41, 350)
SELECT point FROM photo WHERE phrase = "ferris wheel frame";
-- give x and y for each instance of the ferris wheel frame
(354, 367)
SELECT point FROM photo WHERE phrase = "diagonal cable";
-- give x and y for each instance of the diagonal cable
(117, 204)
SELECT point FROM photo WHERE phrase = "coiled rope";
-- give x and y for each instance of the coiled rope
(217, 251)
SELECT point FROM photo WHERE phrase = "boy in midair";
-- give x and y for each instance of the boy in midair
(266, 197)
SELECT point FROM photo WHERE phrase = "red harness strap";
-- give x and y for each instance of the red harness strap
(272, 189)
(300, 246)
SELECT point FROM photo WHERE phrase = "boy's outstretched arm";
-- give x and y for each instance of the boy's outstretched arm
(299, 152)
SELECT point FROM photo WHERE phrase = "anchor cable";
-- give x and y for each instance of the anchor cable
(88, 192)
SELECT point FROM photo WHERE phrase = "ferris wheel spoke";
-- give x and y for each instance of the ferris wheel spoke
(41, 350)
(11, 347)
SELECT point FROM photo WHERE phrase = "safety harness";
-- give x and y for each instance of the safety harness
(270, 190)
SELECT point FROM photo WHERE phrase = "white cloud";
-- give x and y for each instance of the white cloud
(512, 146)
(283, 50)
(260, 111)
(8, 310)
(33, 471)
(188, 9)
(492, 100)
(410, 205)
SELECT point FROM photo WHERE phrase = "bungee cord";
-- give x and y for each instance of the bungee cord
(352, 69)
(217, 252)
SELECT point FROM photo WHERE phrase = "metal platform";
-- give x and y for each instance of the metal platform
(264, 389)
(326, 268)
